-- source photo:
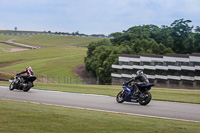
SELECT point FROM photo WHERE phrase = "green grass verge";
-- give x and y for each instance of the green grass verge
(31, 118)
(4, 83)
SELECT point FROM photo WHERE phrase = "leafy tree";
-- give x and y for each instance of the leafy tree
(197, 40)
(164, 36)
(181, 32)
(145, 39)
(96, 64)
(95, 55)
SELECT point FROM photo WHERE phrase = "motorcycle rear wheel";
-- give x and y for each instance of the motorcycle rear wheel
(146, 99)
(120, 97)
(26, 89)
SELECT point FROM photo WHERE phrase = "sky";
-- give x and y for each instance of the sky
(94, 16)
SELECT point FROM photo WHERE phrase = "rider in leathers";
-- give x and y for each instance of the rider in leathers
(28, 71)
(143, 80)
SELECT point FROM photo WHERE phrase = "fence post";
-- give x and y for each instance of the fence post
(37, 78)
(97, 80)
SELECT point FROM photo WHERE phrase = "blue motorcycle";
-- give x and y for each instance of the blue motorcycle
(135, 93)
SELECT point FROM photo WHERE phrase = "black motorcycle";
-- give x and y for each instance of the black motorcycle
(22, 83)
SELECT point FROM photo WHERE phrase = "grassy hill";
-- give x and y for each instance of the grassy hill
(57, 40)
(58, 56)
(6, 37)
(4, 48)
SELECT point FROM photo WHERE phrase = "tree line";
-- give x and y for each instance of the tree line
(77, 34)
(179, 37)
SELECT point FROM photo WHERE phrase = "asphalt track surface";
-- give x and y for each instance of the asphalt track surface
(157, 109)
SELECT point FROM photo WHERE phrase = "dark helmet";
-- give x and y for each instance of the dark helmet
(139, 72)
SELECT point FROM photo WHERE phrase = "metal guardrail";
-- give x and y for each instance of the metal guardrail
(62, 34)
(4, 79)
(61, 80)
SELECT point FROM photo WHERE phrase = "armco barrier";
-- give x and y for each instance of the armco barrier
(62, 34)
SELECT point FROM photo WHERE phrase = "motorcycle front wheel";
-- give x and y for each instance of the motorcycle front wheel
(11, 87)
(145, 98)
(120, 97)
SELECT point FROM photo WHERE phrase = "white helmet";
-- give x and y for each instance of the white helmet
(28, 67)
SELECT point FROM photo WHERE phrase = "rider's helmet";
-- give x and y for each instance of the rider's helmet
(28, 67)
(139, 72)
